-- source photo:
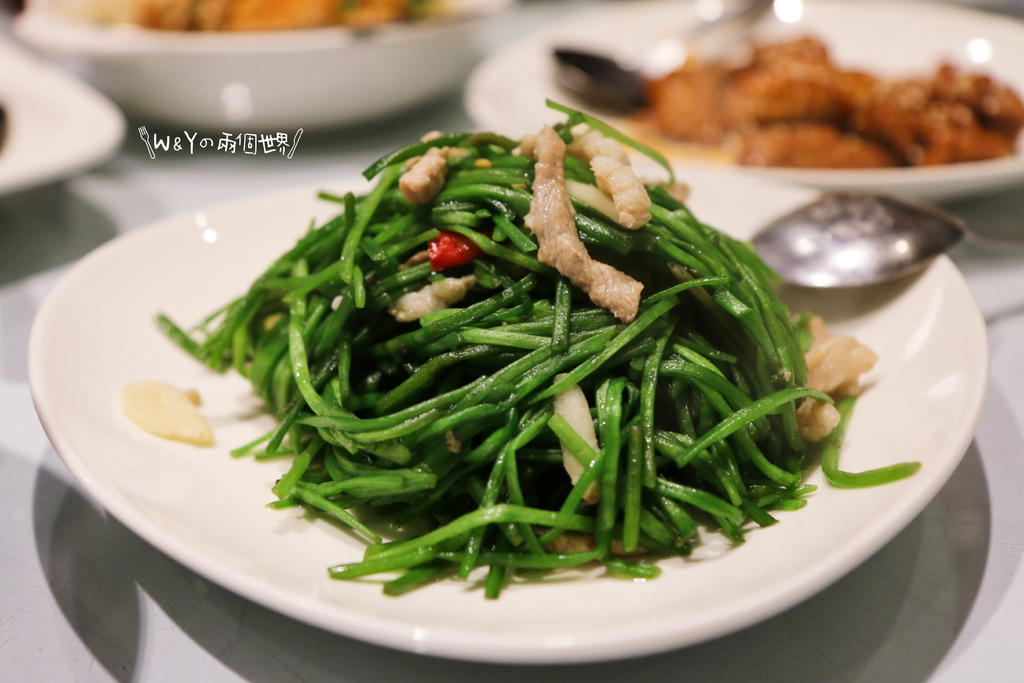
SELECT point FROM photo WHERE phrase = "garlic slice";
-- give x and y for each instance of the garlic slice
(571, 404)
(594, 196)
(166, 411)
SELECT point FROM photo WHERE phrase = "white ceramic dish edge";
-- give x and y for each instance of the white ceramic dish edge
(481, 645)
(57, 125)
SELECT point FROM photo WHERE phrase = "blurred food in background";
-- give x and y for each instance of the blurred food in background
(790, 105)
(249, 15)
(248, 78)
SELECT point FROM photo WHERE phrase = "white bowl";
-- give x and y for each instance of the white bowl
(263, 81)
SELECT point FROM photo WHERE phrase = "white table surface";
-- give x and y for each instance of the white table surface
(84, 599)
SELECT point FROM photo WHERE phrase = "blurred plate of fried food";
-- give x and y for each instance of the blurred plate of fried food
(916, 98)
(262, 65)
(52, 125)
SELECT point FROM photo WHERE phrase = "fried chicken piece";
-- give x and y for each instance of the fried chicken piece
(890, 116)
(950, 133)
(855, 88)
(810, 145)
(791, 81)
(687, 104)
(789, 105)
(787, 81)
(768, 96)
(995, 106)
(926, 131)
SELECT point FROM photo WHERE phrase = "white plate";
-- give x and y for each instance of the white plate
(270, 80)
(95, 333)
(56, 125)
(507, 91)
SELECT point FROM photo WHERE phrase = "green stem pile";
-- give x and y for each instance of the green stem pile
(446, 425)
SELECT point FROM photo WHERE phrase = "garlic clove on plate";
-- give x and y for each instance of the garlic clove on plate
(166, 411)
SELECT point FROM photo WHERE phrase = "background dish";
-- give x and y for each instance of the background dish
(263, 81)
(205, 510)
(56, 125)
(507, 91)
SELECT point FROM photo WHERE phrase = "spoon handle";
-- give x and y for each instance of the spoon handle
(704, 37)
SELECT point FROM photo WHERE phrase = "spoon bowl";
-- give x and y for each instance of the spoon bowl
(600, 81)
(848, 239)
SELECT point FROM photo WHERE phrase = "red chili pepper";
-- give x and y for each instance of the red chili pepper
(450, 249)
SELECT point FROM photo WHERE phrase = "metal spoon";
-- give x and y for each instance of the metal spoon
(850, 239)
(602, 82)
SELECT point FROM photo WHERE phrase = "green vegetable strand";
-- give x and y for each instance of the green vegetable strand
(437, 419)
(874, 477)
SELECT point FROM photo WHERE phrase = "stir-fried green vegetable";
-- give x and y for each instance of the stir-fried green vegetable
(446, 425)
(855, 480)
